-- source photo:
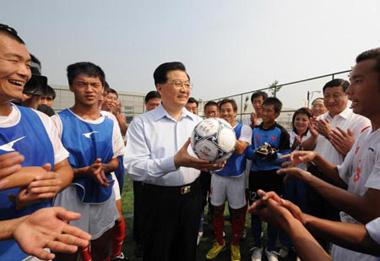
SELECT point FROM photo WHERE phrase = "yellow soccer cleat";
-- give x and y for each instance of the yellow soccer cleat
(215, 250)
(235, 253)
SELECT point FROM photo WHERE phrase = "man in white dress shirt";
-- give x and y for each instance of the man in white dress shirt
(158, 154)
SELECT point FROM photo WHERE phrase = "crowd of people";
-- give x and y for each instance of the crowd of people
(62, 175)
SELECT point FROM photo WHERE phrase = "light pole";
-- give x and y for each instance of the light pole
(310, 96)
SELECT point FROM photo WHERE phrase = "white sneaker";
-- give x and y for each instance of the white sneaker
(284, 252)
(271, 255)
(256, 254)
(200, 235)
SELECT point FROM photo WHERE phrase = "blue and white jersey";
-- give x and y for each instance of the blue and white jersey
(32, 134)
(86, 141)
(277, 137)
(235, 165)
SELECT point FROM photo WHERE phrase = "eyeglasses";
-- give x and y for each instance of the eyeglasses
(179, 84)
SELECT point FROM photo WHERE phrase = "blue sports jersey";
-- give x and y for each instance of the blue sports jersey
(235, 165)
(86, 142)
(277, 137)
(29, 137)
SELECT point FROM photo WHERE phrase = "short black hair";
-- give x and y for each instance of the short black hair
(160, 74)
(232, 101)
(277, 104)
(110, 90)
(371, 54)
(210, 103)
(87, 68)
(48, 91)
(192, 100)
(152, 95)
(11, 32)
(106, 87)
(35, 65)
(336, 83)
(259, 94)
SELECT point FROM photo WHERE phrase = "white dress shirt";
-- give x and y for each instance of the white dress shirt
(344, 120)
(153, 139)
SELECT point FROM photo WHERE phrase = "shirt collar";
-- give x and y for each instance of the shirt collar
(344, 114)
(160, 113)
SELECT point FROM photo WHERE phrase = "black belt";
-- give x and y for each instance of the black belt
(181, 190)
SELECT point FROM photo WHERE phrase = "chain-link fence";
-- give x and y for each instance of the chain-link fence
(293, 95)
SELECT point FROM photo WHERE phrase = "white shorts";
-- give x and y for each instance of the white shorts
(231, 189)
(116, 188)
(95, 219)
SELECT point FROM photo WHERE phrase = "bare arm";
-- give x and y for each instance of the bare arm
(112, 165)
(362, 208)
(7, 227)
(65, 172)
(241, 146)
(274, 212)
(328, 169)
(352, 236)
(122, 123)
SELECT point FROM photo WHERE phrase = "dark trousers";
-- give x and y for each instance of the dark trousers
(205, 180)
(267, 181)
(138, 222)
(171, 216)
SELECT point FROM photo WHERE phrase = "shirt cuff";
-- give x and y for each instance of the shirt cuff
(373, 229)
(168, 165)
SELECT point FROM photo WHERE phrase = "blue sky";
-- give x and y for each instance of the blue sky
(228, 46)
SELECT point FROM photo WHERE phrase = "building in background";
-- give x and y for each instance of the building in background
(132, 103)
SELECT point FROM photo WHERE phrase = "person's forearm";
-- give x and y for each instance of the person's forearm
(354, 205)
(306, 245)
(7, 227)
(241, 146)
(309, 143)
(81, 171)
(329, 170)
(352, 236)
(122, 123)
(148, 168)
(66, 173)
(112, 165)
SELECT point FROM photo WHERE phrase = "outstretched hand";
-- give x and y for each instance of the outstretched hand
(302, 156)
(183, 159)
(49, 228)
(294, 172)
(277, 211)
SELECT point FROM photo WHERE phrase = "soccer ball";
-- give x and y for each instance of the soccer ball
(213, 139)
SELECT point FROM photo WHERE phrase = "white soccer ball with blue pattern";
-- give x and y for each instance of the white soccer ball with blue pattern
(213, 139)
